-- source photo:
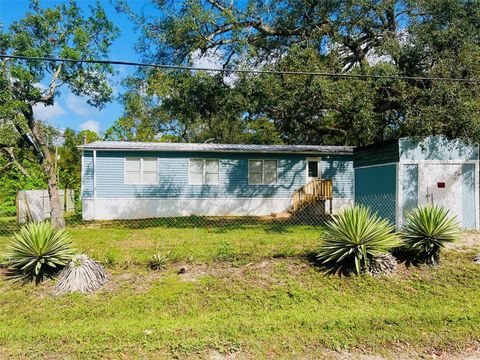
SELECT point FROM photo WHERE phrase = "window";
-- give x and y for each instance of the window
(313, 168)
(262, 172)
(141, 171)
(204, 172)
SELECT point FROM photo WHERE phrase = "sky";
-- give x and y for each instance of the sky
(70, 110)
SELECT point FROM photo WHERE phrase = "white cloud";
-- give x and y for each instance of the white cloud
(91, 125)
(209, 59)
(40, 86)
(44, 113)
(374, 59)
(77, 104)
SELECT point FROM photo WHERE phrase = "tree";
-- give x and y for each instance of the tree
(426, 38)
(62, 31)
(186, 107)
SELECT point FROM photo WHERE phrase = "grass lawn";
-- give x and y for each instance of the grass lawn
(249, 290)
(126, 243)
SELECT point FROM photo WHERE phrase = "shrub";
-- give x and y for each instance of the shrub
(158, 261)
(354, 237)
(38, 250)
(427, 229)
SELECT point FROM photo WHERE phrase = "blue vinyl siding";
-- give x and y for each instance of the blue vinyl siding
(410, 187)
(87, 176)
(233, 176)
(375, 188)
(340, 170)
(468, 196)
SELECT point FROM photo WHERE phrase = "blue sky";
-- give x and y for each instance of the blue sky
(70, 110)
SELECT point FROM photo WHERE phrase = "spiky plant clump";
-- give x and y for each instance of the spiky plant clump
(158, 261)
(354, 237)
(426, 231)
(38, 250)
(81, 274)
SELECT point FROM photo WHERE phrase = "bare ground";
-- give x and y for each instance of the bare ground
(469, 240)
(399, 352)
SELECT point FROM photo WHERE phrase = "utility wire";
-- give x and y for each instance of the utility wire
(273, 72)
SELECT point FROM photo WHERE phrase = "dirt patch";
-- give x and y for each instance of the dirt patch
(262, 272)
(406, 354)
(136, 282)
(469, 240)
(395, 351)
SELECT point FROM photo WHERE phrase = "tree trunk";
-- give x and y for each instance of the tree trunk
(56, 210)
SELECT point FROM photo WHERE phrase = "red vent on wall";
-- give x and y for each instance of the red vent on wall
(441, 185)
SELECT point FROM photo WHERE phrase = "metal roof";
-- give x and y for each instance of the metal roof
(160, 146)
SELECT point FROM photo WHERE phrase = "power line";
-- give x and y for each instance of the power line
(273, 72)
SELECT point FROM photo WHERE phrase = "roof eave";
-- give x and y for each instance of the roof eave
(82, 147)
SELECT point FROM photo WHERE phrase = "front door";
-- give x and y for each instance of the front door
(442, 186)
(313, 169)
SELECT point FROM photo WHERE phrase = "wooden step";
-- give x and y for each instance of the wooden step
(313, 191)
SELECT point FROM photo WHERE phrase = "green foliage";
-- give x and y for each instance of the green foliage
(13, 180)
(159, 261)
(427, 229)
(111, 259)
(38, 250)
(225, 252)
(61, 31)
(180, 106)
(354, 236)
(433, 38)
(24, 171)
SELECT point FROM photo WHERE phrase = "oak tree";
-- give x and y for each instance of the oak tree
(62, 31)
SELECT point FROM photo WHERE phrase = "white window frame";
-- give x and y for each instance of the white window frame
(141, 158)
(319, 159)
(263, 172)
(204, 171)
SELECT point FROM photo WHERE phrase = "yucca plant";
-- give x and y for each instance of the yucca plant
(37, 250)
(426, 231)
(158, 261)
(354, 237)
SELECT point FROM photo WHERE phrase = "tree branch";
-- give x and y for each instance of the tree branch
(9, 152)
(53, 85)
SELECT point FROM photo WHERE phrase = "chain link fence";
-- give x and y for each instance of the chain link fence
(312, 214)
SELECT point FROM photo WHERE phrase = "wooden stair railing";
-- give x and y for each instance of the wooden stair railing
(315, 190)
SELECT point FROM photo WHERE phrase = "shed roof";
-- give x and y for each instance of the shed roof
(161, 146)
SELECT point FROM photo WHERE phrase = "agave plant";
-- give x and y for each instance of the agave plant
(158, 261)
(354, 237)
(38, 250)
(427, 229)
